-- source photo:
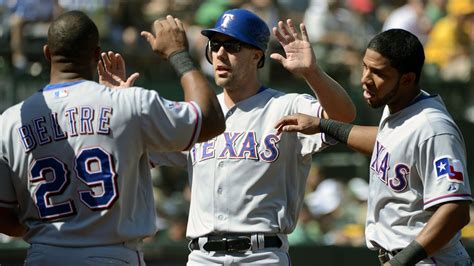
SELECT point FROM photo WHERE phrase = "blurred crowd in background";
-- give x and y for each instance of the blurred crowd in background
(335, 205)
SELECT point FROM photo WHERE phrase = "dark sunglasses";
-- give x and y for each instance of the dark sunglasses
(230, 46)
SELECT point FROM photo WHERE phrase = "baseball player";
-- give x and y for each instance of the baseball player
(74, 155)
(419, 188)
(248, 183)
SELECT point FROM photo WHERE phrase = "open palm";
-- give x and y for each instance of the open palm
(298, 50)
(112, 72)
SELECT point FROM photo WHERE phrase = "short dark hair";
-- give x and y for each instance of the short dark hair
(73, 35)
(402, 48)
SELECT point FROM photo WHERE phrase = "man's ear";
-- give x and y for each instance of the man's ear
(46, 53)
(97, 52)
(258, 56)
(408, 79)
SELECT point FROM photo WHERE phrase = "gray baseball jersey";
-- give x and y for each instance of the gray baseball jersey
(249, 179)
(419, 161)
(74, 156)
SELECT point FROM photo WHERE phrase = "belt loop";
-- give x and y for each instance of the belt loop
(261, 241)
(285, 245)
(134, 245)
(383, 256)
(201, 242)
(190, 245)
(254, 241)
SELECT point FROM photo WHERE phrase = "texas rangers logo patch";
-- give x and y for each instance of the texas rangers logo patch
(449, 168)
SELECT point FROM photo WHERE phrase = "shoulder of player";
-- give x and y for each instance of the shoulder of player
(288, 97)
(434, 123)
(432, 111)
(432, 119)
(137, 95)
(125, 91)
(129, 97)
(10, 118)
(290, 103)
(12, 112)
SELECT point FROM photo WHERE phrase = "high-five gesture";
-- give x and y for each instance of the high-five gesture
(299, 54)
(169, 36)
(112, 72)
(300, 59)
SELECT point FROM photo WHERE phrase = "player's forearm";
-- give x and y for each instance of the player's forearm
(358, 138)
(196, 88)
(9, 223)
(336, 102)
(445, 223)
(362, 139)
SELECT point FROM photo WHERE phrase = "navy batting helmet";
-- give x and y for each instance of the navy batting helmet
(242, 25)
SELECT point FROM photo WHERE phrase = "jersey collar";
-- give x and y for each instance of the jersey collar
(423, 95)
(262, 88)
(61, 85)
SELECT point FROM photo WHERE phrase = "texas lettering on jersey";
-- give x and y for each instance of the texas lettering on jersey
(238, 145)
(81, 120)
(380, 164)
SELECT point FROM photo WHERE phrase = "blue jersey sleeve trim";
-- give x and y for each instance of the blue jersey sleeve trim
(447, 198)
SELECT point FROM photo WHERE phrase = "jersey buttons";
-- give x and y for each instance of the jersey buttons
(220, 164)
(219, 190)
(221, 217)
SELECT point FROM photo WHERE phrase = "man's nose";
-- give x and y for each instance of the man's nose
(221, 50)
(365, 77)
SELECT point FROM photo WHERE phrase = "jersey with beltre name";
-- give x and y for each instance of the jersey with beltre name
(249, 179)
(418, 161)
(74, 157)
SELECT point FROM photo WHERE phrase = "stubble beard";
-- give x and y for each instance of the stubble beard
(223, 81)
(387, 98)
(228, 82)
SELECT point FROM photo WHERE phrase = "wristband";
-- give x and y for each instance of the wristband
(181, 62)
(410, 255)
(338, 130)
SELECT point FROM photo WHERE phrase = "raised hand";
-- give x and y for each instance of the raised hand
(298, 123)
(112, 72)
(169, 36)
(299, 53)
